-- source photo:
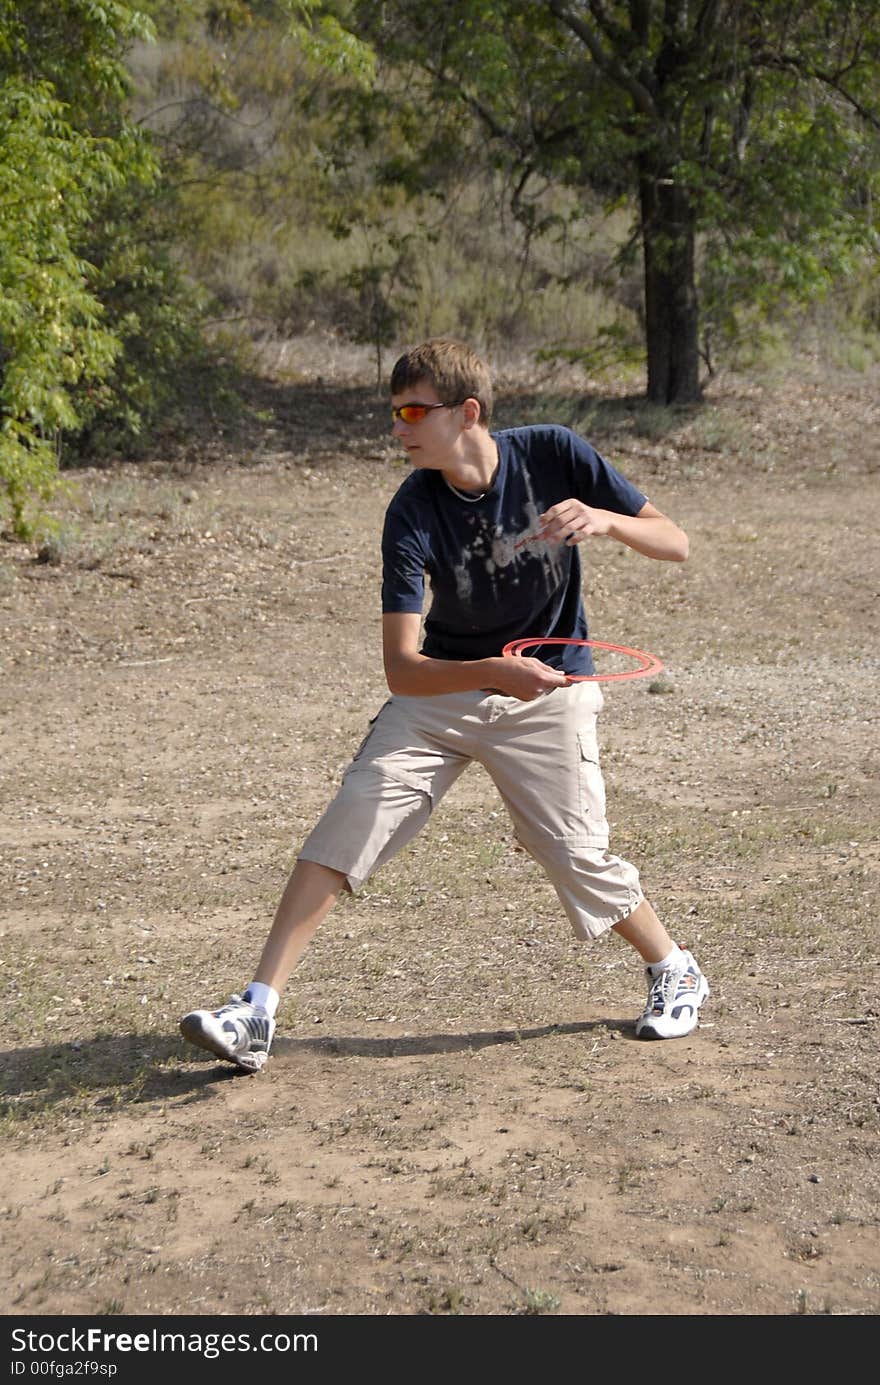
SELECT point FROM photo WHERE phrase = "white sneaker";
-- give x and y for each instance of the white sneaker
(239, 1032)
(674, 1000)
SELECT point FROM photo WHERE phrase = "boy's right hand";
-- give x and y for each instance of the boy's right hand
(526, 678)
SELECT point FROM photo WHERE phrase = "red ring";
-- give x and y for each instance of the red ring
(649, 662)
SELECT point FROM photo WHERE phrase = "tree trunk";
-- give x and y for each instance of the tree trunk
(671, 315)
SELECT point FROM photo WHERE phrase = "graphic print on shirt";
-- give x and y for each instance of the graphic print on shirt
(497, 551)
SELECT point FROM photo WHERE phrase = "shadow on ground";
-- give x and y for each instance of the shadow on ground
(134, 1064)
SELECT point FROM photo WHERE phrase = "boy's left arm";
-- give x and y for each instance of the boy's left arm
(649, 532)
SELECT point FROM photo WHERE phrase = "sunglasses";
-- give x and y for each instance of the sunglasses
(414, 413)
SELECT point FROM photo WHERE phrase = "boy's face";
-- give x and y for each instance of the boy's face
(431, 440)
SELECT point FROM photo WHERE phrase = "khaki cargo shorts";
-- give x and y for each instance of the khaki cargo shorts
(543, 758)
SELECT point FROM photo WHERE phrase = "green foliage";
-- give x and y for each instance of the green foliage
(77, 45)
(52, 333)
(155, 316)
(100, 337)
(68, 156)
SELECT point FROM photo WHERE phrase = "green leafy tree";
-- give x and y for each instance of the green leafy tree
(52, 336)
(65, 150)
(100, 325)
(744, 132)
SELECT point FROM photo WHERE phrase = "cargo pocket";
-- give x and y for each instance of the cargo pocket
(370, 726)
(592, 789)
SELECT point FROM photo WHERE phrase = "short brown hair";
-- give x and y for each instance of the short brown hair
(453, 369)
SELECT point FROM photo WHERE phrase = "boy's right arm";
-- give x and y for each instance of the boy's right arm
(411, 674)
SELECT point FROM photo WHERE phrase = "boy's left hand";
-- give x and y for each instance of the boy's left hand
(571, 521)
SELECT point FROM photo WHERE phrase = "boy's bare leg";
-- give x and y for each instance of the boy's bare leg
(241, 1032)
(312, 890)
(644, 931)
(308, 897)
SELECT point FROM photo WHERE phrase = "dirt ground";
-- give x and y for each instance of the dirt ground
(457, 1117)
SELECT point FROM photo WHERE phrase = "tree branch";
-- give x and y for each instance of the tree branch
(605, 61)
(674, 19)
(619, 37)
(507, 136)
(788, 62)
(706, 21)
(200, 101)
(640, 20)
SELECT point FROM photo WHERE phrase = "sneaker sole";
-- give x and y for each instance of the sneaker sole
(194, 1031)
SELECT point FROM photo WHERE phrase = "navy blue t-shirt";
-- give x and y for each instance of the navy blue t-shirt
(488, 586)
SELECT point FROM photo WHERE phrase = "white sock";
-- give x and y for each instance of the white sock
(265, 996)
(655, 968)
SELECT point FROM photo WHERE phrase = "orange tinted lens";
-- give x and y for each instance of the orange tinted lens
(412, 413)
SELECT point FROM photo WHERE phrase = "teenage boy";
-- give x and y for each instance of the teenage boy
(495, 520)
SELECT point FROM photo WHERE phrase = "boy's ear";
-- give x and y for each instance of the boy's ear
(471, 412)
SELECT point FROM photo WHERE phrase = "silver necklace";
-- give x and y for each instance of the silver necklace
(462, 495)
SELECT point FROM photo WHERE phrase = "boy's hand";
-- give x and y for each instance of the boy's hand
(571, 521)
(649, 532)
(526, 678)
